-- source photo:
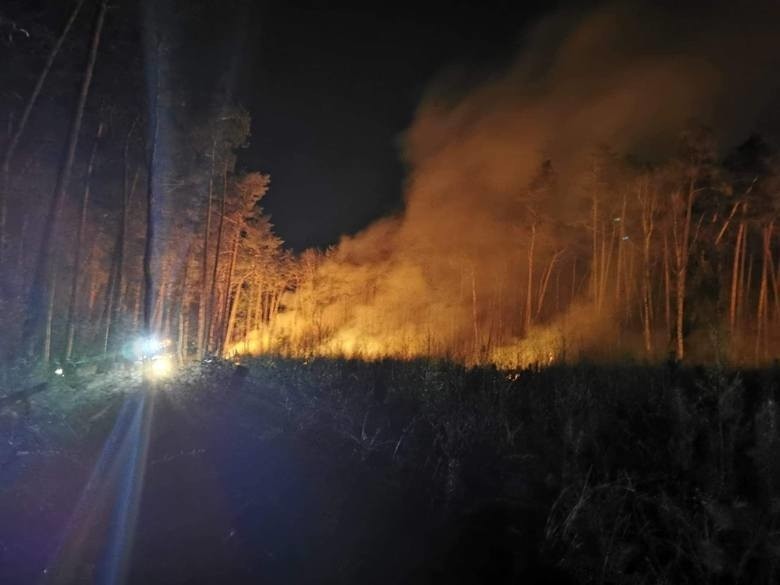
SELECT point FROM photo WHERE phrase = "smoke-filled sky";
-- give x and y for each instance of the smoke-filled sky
(488, 93)
(630, 76)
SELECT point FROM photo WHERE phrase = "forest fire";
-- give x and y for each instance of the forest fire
(546, 214)
(516, 319)
(572, 247)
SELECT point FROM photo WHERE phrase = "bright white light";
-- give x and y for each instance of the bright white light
(59, 372)
(147, 346)
(161, 367)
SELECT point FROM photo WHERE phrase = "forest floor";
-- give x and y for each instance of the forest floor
(231, 492)
(334, 471)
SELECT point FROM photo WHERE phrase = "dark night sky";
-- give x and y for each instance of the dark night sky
(331, 89)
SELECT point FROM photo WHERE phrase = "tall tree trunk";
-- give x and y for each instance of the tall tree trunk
(629, 282)
(735, 278)
(474, 310)
(154, 135)
(76, 279)
(231, 321)
(16, 136)
(212, 294)
(167, 314)
(227, 310)
(108, 306)
(647, 200)
(745, 274)
(607, 250)
(115, 286)
(680, 314)
(667, 291)
(530, 287)
(259, 305)
(159, 307)
(775, 286)
(94, 281)
(183, 309)
(204, 263)
(594, 263)
(128, 190)
(181, 335)
(545, 282)
(22, 240)
(573, 293)
(137, 308)
(49, 317)
(619, 269)
(682, 256)
(45, 253)
(762, 313)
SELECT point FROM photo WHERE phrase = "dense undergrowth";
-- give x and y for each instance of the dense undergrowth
(607, 474)
(572, 473)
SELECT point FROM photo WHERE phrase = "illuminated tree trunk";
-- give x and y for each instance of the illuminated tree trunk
(108, 306)
(680, 283)
(183, 311)
(573, 293)
(167, 327)
(607, 250)
(500, 307)
(746, 274)
(76, 278)
(647, 200)
(736, 277)
(474, 310)
(619, 268)
(49, 317)
(159, 307)
(726, 223)
(530, 289)
(212, 294)
(277, 297)
(16, 136)
(629, 281)
(46, 251)
(545, 282)
(682, 250)
(231, 321)
(259, 305)
(749, 281)
(94, 282)
(775, 287)
(667, 291)
(181, 335)
(594, 262)
(227, 311)
(204, 262)
(137, 308)
(762, 312)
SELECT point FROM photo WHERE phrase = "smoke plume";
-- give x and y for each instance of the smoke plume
(449, 275)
